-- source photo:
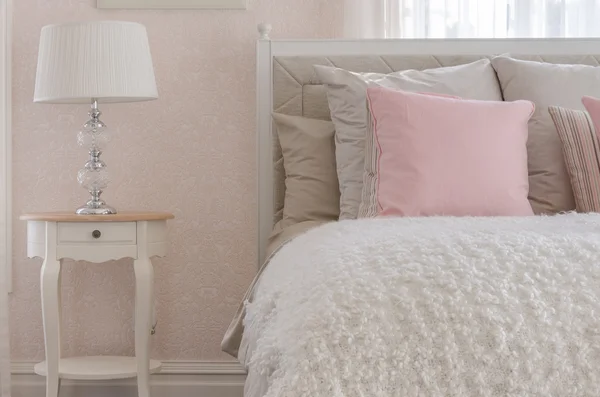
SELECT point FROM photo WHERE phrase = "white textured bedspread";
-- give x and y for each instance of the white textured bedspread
(432, 307)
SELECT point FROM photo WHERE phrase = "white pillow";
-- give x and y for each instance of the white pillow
(347, 97)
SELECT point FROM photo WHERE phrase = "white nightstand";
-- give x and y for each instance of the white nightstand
(98, 238)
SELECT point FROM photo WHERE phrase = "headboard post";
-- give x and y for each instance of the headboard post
(264, 144)
(264, 29)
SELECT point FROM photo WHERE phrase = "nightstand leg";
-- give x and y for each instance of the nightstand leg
(51, 302)
(144, 284)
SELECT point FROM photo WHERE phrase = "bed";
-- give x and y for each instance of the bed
(433, 306)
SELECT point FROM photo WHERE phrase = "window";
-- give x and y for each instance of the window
(492, 18)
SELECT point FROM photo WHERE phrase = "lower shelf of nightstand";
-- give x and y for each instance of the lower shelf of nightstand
(97, 368)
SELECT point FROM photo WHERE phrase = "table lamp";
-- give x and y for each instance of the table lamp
(93, 63)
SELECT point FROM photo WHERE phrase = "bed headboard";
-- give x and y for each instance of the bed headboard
(287, 84)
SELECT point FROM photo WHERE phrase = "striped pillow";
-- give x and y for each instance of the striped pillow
(369, 208)
(581, 151)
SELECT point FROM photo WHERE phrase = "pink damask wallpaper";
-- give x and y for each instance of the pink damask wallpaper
(191, 152)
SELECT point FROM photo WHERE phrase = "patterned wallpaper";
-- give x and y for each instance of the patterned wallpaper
(191, 152)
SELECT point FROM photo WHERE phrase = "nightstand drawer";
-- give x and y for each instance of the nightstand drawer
(97, 232)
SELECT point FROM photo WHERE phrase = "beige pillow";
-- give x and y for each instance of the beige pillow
(547, 84)
(311, 186)
(346, 94)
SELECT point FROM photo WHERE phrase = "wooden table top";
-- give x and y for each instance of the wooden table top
(125, 216)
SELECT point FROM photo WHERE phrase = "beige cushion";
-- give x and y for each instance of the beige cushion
(545, 85)
(312, 191)
(346, 94)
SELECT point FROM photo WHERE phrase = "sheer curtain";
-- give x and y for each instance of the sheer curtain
(471, 18)
(365, 19)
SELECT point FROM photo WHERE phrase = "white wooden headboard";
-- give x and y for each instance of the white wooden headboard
(268, 49)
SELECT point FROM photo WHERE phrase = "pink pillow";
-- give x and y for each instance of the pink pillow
(592, 105)
(447, 156)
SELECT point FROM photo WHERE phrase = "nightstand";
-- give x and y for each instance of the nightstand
(97, 238)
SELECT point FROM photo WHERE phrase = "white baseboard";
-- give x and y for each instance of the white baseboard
(177, 379)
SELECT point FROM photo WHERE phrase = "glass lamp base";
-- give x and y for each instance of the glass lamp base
(93, 177)
(96, 210)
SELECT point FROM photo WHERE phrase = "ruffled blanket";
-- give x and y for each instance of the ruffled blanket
(432, 307)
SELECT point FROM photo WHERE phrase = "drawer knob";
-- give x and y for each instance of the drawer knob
(96, 234)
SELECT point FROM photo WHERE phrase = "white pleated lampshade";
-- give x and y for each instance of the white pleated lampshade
(108, 60)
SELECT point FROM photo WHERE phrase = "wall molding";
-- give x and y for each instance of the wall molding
(177, 379)
(173, 4)
(6, 141)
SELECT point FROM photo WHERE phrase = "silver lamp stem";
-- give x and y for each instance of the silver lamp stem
(94, 176)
